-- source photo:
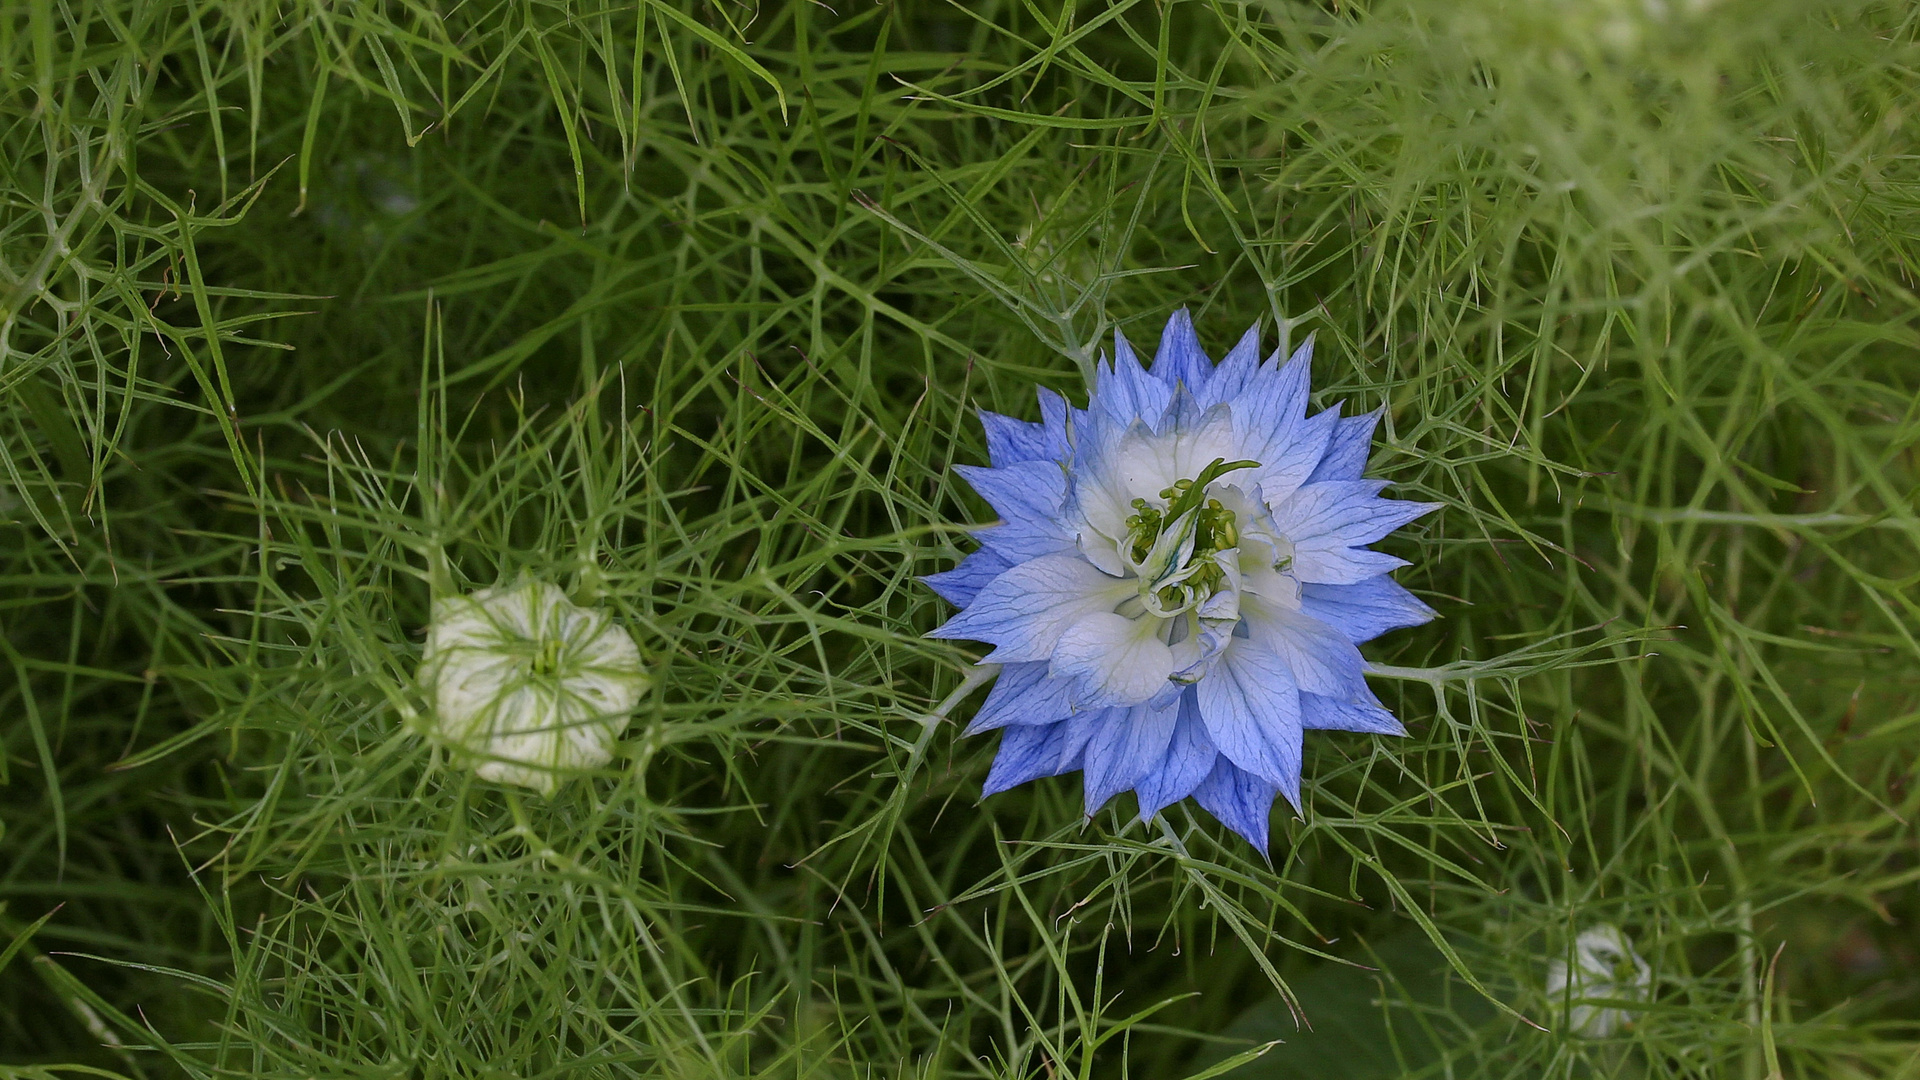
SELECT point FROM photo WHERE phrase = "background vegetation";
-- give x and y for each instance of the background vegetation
(686, 305)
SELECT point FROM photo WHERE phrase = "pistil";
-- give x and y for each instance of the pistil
(1204, 528)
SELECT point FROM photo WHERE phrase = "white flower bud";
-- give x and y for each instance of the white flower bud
(1605, 968)
(529, 685)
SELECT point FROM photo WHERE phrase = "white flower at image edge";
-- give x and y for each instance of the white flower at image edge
(1605, 969)
(528, 685)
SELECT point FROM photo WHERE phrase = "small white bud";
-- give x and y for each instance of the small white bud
(1605, 968)
(529, 685)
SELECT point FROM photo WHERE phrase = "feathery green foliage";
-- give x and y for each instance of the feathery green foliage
(311, 312)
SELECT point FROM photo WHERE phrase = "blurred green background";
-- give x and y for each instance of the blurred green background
(688, 304)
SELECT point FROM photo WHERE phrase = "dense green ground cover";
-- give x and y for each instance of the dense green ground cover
(689, 304)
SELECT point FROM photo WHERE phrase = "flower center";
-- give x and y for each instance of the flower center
(1177, 547)
(546, 658)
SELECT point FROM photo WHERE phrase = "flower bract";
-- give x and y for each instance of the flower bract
(1605, 968)
(528, 685)
(1179, 581)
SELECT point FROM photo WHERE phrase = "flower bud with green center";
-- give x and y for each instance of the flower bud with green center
(528, 685)
(1605, 974)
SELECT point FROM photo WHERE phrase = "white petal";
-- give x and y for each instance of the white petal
(527, 685)
(1116, 660)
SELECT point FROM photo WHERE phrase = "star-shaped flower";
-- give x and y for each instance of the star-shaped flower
(1179, 581)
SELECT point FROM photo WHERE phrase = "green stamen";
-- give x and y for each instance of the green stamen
(1186, 494)
(547, 660)
(1214, 530)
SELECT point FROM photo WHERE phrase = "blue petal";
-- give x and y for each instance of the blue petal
(1011, 441)
(1030, 498)
(1058, 417)
(1025, 610)
(1181, 359)
(1097, 444)
(1287, 465)
(1269, 417)
(1124, 390)
(1189, 758)
(1328, 522)
(1183, 413)
(1347, 513)
(1320, 658)
(1230, 378)
(1124, 748)
(1342, 566)
(1333, 714)
(1023, 540)
(1241, 800)
(1302, 355)
(961, 584)
(1273, 400)
(1029, 490)
(1251, 708)
(1024, 695)
(1029, 752)
(1365, 609)
(1347, 449)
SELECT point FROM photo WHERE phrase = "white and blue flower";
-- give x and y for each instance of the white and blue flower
(1179, 581)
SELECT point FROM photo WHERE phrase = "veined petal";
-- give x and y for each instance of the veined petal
(1347, 448)
(1141, 465)
(1329, 521)
(1024, 611)
(1020, 541)
(1113, 660)
(1011, 441)
(1124, 390)
(1271, 402)
(961, 584)
(1288, 464)
(1180, 359)
(1055, 415)
(1230, 378)
(1341, 565)
(1189, 757)
(1209, 439)
(1251, 708)
(1098, 497)
(1023, 694)
(1029, 752)
(1242, 801)
(1030, 498)
(1128, 745)
(1366, 609)
(1343, 513)
(1320, 658)
(1333, 714)
(1025, 491)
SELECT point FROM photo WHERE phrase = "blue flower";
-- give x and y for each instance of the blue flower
(1179, 581)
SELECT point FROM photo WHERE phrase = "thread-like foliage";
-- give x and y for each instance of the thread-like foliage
(310, 313)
